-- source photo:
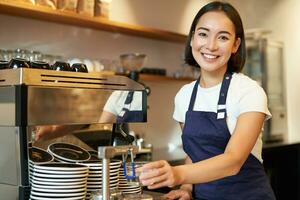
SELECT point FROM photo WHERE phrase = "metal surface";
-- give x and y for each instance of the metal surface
(79, 106)
(106, 153)
(9, 156)
(51, 78)
(7, 106)
(110, 151)
(8, 192)
(105, 178)
(32, 97)
(81, 96)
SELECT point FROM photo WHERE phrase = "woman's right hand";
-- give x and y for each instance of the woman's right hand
(47, 132)
(181, 194)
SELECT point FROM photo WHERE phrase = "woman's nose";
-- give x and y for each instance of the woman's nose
(211, 44)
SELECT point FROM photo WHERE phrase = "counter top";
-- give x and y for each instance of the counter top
(280, 144)
(177, 155)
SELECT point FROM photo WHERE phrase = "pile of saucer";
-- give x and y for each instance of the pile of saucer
(94, 181)
(68, 153)
(38, 156)
(127, 187)
(59, 181)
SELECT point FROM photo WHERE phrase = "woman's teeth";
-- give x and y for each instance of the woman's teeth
(209, 56)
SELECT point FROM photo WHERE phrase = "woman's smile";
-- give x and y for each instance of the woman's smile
(209, 57)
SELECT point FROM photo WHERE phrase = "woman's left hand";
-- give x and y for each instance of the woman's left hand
(159, 174)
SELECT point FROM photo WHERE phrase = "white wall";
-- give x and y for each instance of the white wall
(280, 16)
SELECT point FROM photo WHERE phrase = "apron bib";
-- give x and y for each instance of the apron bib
(127, 115)
(205, 135)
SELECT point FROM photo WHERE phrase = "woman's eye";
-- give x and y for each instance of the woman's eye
(223, 38)
(202, 34)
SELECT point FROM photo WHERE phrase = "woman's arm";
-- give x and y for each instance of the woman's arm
(51, 132)
(107, 117)
(241, 143)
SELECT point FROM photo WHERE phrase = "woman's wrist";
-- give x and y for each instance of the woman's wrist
(187, 187)
(180, 175)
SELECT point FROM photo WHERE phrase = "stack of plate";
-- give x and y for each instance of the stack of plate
(127, 187)
(38, 156)
(66, 153)
(59, 181)
(94, 181)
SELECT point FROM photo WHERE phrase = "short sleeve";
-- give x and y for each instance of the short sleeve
(254, 99)
(181, 103)
(113, 104)
(177, 115)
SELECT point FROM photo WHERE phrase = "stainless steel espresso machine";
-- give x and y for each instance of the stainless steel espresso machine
(36, 97)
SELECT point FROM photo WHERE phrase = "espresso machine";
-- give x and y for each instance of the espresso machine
(37, 97)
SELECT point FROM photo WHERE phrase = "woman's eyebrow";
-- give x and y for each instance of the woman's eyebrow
(203, 28)
(206, 29)
(225, 32)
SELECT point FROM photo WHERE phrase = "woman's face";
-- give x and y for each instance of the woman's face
(214, 41)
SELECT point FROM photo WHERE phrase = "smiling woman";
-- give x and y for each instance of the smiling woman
(222, 125)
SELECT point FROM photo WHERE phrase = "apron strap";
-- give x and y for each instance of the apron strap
(127, 104)
(129, 97)
(221, 110)
(194, 94)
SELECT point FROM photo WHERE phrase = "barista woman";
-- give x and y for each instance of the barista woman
(221, 115)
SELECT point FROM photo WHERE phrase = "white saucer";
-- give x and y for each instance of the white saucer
(44, 194)
(99, 174)
(44, 171)
(61, 166)
(113, 163)
(59, 183)
(59, 186)
(36, 174)
(89, 190)
(61, 180)
(33, 197)
(57, 191)
(129, 187)
(39, 156)
(93, 179)
(97, 181)
(68, 152)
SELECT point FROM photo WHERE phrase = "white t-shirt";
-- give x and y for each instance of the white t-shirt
(116, 102)
(244, 95)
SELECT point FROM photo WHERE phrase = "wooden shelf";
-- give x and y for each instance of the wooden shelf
(148, 77)
(28, 10)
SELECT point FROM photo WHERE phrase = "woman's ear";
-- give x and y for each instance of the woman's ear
(236, 45)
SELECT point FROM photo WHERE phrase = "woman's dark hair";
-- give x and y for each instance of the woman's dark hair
(237, 60)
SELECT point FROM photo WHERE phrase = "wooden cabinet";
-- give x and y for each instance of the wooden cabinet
(28, 10)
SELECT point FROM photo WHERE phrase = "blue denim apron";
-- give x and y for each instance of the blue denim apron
(127, 115)
(205, 135)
